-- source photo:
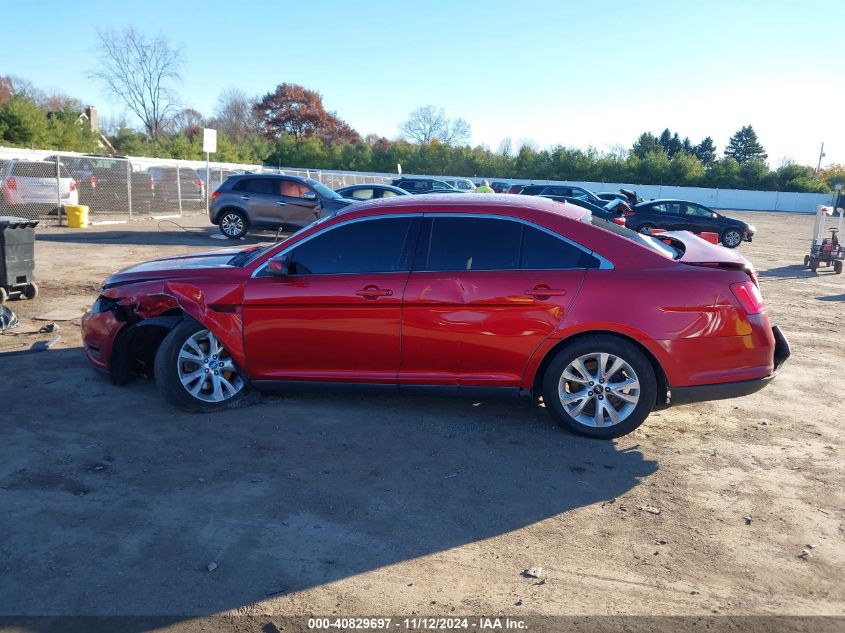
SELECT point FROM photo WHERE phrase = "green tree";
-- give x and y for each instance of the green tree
(705, 151)
(744, 147)
(685, 170)
(22, 122)
(646, 143)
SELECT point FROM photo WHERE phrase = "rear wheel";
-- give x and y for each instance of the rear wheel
(837, 266)
(195, 372)
(731, 238)
(645, 229)
(600, 386)
(233, 224)
(814, 264)
(806, 260)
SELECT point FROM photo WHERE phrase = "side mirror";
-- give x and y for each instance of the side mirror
(279, 266)
(309, 195)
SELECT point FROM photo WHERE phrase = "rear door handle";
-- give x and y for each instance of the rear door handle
(373, 292)
(281, 203)
(544, 292)
(244, 197)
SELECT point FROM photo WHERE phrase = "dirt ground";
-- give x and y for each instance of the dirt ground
(115, 503)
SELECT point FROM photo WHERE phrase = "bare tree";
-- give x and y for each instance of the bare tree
(234, 115)
(506, 147)
(428, 124)
(139, 71)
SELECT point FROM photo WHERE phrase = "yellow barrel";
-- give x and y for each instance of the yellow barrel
(77, 215)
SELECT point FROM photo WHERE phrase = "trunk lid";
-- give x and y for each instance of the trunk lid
(699, 252)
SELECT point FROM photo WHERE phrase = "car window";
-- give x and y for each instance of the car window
(370, 246)
(387, 193)
(361, 194)
(437, 184)
(671, 208)
(543, 251)
(255, 185)
(461, 243)
(701, 212)
(645, 241)
(583, 194)
(38, 170)
(291, 189)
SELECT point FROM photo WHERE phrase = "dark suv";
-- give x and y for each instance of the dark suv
(561, 192)
(424, 185)
(270, 202)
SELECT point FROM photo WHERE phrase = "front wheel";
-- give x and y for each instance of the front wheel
(233, 224)
(837, 266)
(195, 372)
(806, 261)
(600, 386)
(731, 238)
(30, 291)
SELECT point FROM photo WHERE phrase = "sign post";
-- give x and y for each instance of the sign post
(209, 146)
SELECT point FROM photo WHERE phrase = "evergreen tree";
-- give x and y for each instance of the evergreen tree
(705, 151)
(744, 147)
(646, 144)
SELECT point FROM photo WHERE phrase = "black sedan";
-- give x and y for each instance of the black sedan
(681, 215)
(370, 191)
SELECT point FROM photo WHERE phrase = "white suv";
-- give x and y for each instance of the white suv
(33, 186)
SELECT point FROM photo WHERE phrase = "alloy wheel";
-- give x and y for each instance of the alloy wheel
(206, 369)
(732, 239)
(599, 389)
(232, 224)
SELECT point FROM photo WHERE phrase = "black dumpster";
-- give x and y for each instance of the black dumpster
(17, 257)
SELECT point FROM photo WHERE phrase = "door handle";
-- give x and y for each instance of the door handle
(244, 197)
(544, 292)
(281, 203)
(373, 292)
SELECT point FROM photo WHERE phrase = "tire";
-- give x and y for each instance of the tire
(837, 266)
(4, 295)
(645, 229)
(814, 264)
(731, 238)
(206, 394)
(30, 291)
(233, 224)
(806, 261)
(590, 414)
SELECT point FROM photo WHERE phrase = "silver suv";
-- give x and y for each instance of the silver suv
(270, 202)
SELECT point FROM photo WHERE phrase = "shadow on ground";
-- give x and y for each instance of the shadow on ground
(115, 503)
(832, 298)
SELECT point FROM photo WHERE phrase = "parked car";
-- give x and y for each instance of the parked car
(515, 188)
(370, 191)
(172, 183)
(561, 192)
(457, 293)
(270, 201)
(461, 184)
(35, 186)
(613, 211)
(103, 182)
(681, 215)
(610, 195)
(499, 187)
(423, 185)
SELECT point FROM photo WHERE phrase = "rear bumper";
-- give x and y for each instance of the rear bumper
(723, 391)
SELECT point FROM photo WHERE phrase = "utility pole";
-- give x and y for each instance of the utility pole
(819, 168)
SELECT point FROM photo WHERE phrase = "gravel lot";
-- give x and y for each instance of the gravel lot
(115, 503)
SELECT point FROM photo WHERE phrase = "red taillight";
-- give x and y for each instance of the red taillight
(215, 195)
(93, 181)
(152, 183)
(619, 221)
(73, 185)
(11, 184)
(749, 297)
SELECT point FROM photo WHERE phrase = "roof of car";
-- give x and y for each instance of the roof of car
(656, 200)
(492, 202)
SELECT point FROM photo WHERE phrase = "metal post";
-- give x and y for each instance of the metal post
(207, 179)
(129, 186)
(58, 191)
(179, 188)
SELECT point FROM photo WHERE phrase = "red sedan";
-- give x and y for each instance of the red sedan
(497, 293)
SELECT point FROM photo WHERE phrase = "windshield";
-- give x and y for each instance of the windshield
(643, 240)
(245, 257)
(321, 189)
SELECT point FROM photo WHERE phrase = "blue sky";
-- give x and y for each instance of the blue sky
(574, 73)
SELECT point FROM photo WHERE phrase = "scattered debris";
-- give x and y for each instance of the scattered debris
(539, 583)
(8, 319)
(805, 554)
(533, 572)
(518, 603)
(650, 509)
(747, 519)
(660, 541)
(211, 566)
(810, 546)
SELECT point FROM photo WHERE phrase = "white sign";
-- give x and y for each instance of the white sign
(837, 187)
(209, 140)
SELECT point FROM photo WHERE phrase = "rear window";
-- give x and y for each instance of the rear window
(38, 170)
(643, 240)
